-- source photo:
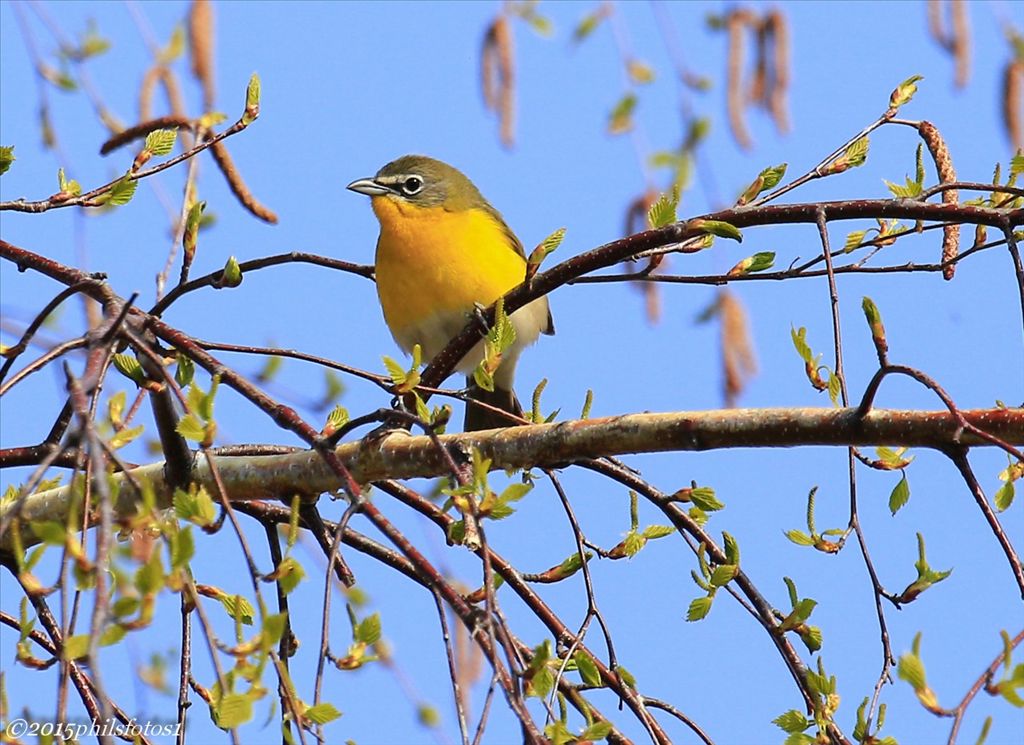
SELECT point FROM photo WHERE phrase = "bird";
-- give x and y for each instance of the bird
(443, 253)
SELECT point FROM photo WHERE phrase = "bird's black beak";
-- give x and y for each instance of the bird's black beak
(368, 187)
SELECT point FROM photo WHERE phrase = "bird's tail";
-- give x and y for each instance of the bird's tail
(478, 417)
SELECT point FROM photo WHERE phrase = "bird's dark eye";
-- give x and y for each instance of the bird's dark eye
(412, 185)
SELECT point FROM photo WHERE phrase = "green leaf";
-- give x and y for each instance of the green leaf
(515, 491)
(633, 543)
(183, 547)
(125, 436)
(765, 180)
(911, 669)
(799, 538)
(587, 669)
(640, 72)
(903, 192)
(233, 710)
(174, 47)
(792, 721)
(185, 371)
(588, 23)
(799, 341)
(857, 152)
(252, 100)
(720, 228)
(835, 387)
(6, 158)
(723, 574)
(731, 547)
(238, 608)
(652, 532)
(231, 274)
(111, 635)
(128, 366)
(1004, 496)
(620, 120)
(338, 418)
(704, 498)
(904, 92)
(543, 249)
(161, 141)
(91, 45)
(368, 630)
(900, 495)
(75, 647)
(853, 240)
(195, 505)
(289, 574)
(596, 731)
(322, 713)
(699, 608)
(50, 532)
(663, 211)
(756, 263)
(121, 191)
(396, 372)
(1016, 166)
(191, 428)
(150, 576)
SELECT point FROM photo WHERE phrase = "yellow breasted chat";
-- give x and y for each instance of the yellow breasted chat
(443, 251)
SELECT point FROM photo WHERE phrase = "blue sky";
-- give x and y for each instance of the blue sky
(350, 86)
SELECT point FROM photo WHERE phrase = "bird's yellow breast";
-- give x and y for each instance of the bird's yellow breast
(433, 262)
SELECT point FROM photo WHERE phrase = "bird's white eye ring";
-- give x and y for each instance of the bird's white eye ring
(412, 185)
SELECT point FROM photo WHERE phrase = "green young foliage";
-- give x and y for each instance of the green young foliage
(404, 380)
(767, 179)
(190, 237)
(759, 262)
(912, 187)
(541, 252)
(639, 72)
(792, 722)
(121, 192)
(128, 366)
(587, 669)
(589, 23)
(699, 608)
(900, 495)
(185, 371)
(231, 274)
(854, 240)
(926, 576)
(620, 120)
(6, 158)
(874, 319)
(716, 227)
(322, 713)
(903, 93)
(252, 100)
(911, 669)
(663, 211)
(67, 188)
(232, 711)
(195, 506)
(175, 46)
(812, 364)
(500, 337)
(160, 142)
(855, 154)
(891, 460)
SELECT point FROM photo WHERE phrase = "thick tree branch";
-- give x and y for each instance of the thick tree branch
(403, 456)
